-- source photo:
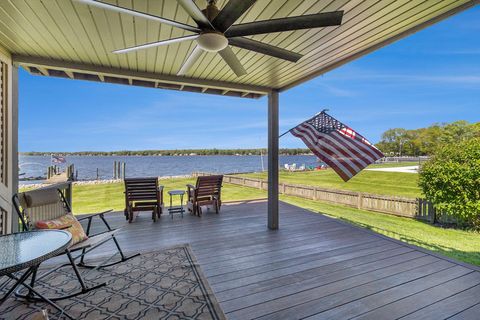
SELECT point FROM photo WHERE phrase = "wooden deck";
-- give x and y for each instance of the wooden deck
(314, 267)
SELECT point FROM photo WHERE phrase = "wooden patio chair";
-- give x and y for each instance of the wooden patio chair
(47, 204)
(206, 192)
(143, 194)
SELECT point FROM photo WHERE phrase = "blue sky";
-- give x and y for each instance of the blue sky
(431, 76)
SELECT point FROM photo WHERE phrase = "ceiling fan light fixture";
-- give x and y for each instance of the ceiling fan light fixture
(212, 41)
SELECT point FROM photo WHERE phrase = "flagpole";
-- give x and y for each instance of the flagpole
(324, 110)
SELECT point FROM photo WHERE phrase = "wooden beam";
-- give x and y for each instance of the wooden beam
(204, 89)
(117, 72)
(379, 45)
(224, 92)
(69, 74)
(101, 77)
(273, 160)
(43, 71)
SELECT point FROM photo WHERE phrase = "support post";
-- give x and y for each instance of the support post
(273, 160)
(14, 133)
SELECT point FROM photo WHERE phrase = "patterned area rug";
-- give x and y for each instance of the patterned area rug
(165, 284)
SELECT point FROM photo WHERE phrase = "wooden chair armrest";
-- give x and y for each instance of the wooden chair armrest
(160, 191)
(190, 191)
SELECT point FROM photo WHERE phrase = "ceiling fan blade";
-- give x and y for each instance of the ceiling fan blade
(156, 44)
(318, 20)
(232, 61)
(192, 58)
(132, 12)
(230, 13)
(196, 14)
(264, 48)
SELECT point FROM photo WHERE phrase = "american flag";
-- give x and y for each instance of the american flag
(339, 146)
(58, 159)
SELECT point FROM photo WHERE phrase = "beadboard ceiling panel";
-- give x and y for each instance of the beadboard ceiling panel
(67, 38)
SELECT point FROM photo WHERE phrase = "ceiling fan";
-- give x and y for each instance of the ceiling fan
(215, 31)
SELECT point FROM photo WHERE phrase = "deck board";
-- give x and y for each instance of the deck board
(312, 267)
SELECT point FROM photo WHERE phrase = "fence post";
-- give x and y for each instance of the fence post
(119, 165)
(114, 170)
(360, 200)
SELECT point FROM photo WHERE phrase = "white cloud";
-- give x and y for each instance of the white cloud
(336, 91)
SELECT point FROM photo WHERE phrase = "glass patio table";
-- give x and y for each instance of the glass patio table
(27, 250)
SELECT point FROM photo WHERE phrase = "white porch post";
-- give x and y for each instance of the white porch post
(273, 160)
(14, 141)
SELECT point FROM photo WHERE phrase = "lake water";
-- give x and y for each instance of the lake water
(141, 166)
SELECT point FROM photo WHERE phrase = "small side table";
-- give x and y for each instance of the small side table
(176, 209)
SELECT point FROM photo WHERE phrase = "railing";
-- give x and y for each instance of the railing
(53, 172)
(403, 159)
(399, 206)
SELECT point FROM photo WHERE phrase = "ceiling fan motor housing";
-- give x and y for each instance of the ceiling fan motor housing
(212, 41)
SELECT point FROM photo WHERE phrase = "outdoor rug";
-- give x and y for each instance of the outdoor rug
(166, 284)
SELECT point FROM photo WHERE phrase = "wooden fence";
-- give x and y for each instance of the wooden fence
(399, 206)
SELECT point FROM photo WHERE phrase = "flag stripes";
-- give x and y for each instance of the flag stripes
(339, 146)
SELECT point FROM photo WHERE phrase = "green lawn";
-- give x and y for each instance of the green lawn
(98, 197)
(377, 182)
(458, 244)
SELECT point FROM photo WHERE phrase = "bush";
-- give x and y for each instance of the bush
(451, 180)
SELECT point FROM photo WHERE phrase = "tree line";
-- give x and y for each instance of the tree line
(179, 152)
(425, 141)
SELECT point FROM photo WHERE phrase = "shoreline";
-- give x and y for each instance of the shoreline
(101, 181)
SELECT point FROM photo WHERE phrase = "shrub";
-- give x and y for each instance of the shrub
(451, 180)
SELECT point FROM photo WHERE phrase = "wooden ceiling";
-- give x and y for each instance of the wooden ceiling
(70, 39)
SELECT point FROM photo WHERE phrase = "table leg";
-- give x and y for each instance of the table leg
(21, 281)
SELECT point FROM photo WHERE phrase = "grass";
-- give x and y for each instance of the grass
(99, 197)
(458, 244)
(376, 182)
